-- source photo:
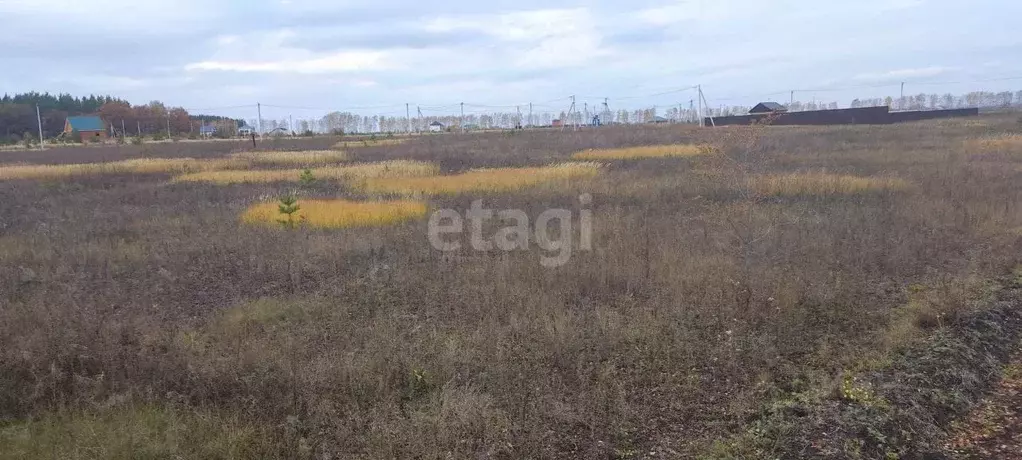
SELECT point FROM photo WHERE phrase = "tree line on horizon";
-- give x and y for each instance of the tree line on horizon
(18, 115)
(18, 121)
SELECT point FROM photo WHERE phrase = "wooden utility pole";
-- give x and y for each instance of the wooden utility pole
(259, 122)
(699, 97)
(39, 120)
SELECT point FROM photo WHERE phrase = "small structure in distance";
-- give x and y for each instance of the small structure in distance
(436, 127)
(207, 130)
(89, 127)
(767, 107)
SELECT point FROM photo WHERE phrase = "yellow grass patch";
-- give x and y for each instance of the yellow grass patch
(338, 213)
(481, 180)
(302, 158)
(135, 166)
(368, 143)
(1002, 143)
(646, 151)
(819, 184)
(395, 168)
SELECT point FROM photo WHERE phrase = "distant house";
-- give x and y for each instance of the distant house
(207, 130)
(557, 123)
(89, 127)
(245, 131)
(659, 120)
(436, 127)
(768, 107)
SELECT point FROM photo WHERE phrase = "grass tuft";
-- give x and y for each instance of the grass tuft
(481, 180)
(823, 184)
(648, 151)
(394, 168)
(339, 213)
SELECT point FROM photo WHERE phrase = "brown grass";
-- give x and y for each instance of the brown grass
(648, 151)
(823, 184)
(1010, 143)
(700, 306)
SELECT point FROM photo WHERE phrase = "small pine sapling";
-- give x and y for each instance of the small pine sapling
(306, 178)
(288, 207)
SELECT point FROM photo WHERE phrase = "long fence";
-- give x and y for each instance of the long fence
(858, 116)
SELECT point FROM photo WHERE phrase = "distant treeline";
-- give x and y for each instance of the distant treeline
(18, 116)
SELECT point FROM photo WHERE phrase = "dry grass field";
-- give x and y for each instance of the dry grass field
(646, 151)
(143, 316)
(481, 180)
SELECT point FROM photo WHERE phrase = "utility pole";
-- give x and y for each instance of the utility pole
(123, 132)
(259, 122)
(702, 99)
(138, 127)
(791, 101)
(585, 116)
(291, 124)
(418, 121)
(571, 111)
(518, 121)
(39, 119)
(699, 89)
(901, 102)
(531, 122)
(462, 119)
(408, 117)
(168, 126)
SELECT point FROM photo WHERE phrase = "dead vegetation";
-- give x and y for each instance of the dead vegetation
(718, 285)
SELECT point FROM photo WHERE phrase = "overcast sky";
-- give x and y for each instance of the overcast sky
(343, 54)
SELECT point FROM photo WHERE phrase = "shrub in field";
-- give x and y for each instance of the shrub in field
(395, 168)
(485, 180)
(647, 151)
(133, 166)
(333, 213)
(300, 158)
(822, 184)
